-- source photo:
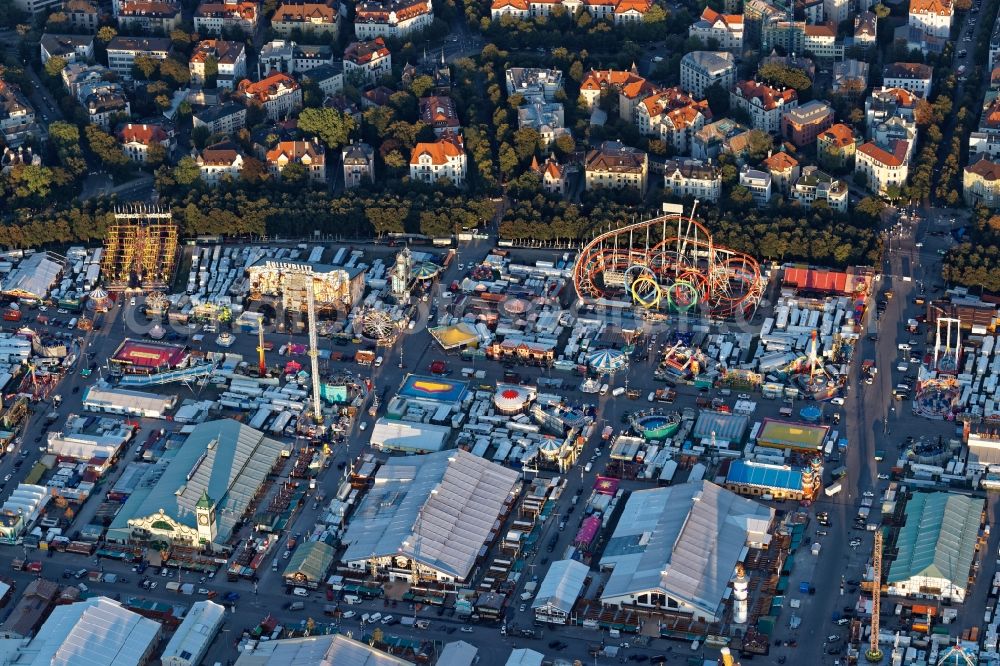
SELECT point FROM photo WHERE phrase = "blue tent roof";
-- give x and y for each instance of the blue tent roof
(764, 475)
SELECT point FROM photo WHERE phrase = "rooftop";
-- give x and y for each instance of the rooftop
(437, 509)
(615, 156)
(813, 111)
(986, 169)
(894, 157)
(939, 538)
(562, 585)
(140, 44)
(838, 135)
(332, 650)
(684, 541)
(763, 475)
(780, 161)
(710, 61)
(907, 70)
(440, 151)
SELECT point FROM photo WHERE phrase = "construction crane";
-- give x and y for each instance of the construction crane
(874, 654)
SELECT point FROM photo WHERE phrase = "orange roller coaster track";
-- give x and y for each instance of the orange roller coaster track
(668, 264)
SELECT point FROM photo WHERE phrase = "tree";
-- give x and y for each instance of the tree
(55, 66)
(564, 144)
(421, 85)
(781, 75)
(156, 155)
(760, 144)
(106, 34)
(105, 148)
(718, 100)
(576, 71)
(254, 171)
(186, 172)
(64, 135)
(200, 136)
(508, 160)
(871, 207)
(881, 11)
(526, 142)
(144, 66)
(294, 174)
(331, 127)
(28, 182)
(175, 71)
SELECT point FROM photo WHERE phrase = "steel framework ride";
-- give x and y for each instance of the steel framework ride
(680, 271)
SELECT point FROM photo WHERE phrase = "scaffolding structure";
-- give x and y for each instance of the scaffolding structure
(140, 248)
(874, 654)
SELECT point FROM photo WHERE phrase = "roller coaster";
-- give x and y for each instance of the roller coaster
(668, 264)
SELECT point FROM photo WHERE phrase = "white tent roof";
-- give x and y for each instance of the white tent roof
(562, 585)
(95, 632)
(335, 650)
(34, 276)
(437, 509)
(409, 435)
(683, 541)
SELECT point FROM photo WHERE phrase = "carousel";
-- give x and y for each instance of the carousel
(607, 361)
(98, 300)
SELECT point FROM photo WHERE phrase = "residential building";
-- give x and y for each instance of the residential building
(887, 103)
(701, 69)
(850, 77)
(17, 116)
(725, 31)
(226, 118)
(631, 89)
(984, 143)
(836, 11)
(534, 83)
(21, 156)
(552, 173)
(329, 78)
(673, 116)
(214, 16)
(932, 17)
(310, 154)
(658, 552)
(312, 18)
(71, 48)
(912, 76)
(882, 167)
(82, 15)
(865, 29)
(692, 178)
(711, 140)
(219, 161)
(281, 55)
(618, 11)
(439, 112)
(820, 41)
(546, 118)
(392, 18)
(811, 11)
(914, 38)
(279, 94)
(616, 166)
(441, 159)
(894, 129)
(981, 183)
(519, 9)
(758, 183)
(814, 185)
(367, 61)
(764, 104)
(995, 46)
(359, 164)
(835, 147)
(756, 13)
(802, 124)
(148, 16)
(136, 140)
(104, 102)
(122, 52)
(228, 59)
(36, 7)
(783, 169)
(375, 97)
(76, 75)
(936, 548)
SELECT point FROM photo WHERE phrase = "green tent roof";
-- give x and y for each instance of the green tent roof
(939, 538)
(312, 560)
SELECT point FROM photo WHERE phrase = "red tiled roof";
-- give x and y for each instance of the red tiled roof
(769, 97)
(985, 169)
(440, 151)
(883, 156)
(940, 7)
(295, 151)
(781, 161)
(267, 86)
(712, 16)
(839, 135)
(144, 134)
(361, 53)
(300, 12)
